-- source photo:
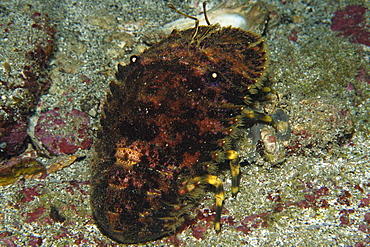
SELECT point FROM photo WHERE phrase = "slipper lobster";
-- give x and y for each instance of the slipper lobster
(169, 120)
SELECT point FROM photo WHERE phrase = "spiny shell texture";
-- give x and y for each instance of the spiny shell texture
(170, 116)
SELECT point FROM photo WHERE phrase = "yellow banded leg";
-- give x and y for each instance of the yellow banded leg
(248, 113)
(219, 196)
(233, 156)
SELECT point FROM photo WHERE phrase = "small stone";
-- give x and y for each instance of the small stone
(64, 132)
(13, 137)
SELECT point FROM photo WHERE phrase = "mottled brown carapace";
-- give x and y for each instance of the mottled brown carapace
(169, 120)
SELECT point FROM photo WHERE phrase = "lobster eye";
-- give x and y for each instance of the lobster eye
(213, 76)
(134, 59)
